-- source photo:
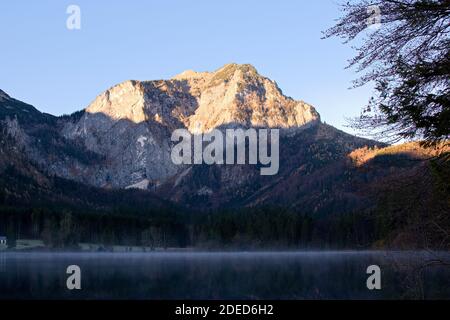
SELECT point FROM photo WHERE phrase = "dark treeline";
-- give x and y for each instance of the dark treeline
(280, 228)
(243, 228)
(62, 228)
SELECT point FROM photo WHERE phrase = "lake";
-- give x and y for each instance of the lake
(224, 275)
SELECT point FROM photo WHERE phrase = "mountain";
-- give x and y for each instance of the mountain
(114, 158)
(123, 138)
(131, 123)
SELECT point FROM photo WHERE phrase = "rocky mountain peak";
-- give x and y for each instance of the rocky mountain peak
(237, 95)
(130, 124)
(233, 95)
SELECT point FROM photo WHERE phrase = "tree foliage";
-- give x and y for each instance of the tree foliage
(407, 56)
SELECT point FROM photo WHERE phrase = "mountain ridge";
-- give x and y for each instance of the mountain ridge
(122, 139)
(333, 189)
(232, 94)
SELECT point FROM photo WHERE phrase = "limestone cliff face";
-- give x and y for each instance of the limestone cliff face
(130, 124)
(237, 94)
(202, 101)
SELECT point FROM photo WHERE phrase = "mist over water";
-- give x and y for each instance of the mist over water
(224, 275)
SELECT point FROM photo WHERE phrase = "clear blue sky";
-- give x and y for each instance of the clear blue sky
(60, 71)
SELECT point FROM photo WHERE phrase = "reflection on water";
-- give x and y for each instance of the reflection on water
(244, 275)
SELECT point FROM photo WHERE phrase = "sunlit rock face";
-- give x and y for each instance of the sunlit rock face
(130, 124)
(236, 95)
(201, 101)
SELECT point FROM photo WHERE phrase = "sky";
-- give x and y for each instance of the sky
(60, 71)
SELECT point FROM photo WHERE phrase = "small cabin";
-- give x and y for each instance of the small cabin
(3, 240)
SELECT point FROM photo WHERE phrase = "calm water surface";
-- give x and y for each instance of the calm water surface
(239, 275)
